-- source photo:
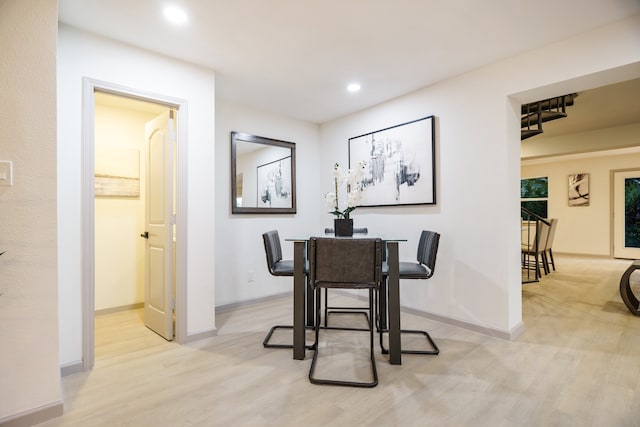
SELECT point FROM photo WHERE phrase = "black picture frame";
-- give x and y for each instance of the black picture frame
(248, 154)
(400, 164)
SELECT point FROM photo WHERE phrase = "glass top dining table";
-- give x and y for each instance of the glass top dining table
(303, 300)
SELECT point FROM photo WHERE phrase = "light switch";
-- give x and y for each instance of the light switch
(6, 172)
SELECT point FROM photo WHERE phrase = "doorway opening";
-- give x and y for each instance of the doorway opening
(120, 186)
(120, 136)
(626, 213)
(592, 145)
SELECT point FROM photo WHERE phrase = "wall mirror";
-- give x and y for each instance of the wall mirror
(263, 175)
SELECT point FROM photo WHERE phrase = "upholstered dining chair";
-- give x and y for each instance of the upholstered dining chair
(277, 267)
(422, 268)
(345, 264)
(548, 248)
(328, 309)
(534, 256)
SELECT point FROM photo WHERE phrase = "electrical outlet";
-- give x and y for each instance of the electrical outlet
(250, 276)
(6, 172)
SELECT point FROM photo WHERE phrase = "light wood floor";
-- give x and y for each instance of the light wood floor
(577, 364)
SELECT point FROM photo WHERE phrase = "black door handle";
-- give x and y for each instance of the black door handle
(145, 235)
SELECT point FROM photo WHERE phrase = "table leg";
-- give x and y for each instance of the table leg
(395, 356)
(298, 300)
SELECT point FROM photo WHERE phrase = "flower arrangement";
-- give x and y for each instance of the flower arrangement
(352, 178)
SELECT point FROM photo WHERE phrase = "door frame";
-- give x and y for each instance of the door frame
(612, 228)
(89, 87)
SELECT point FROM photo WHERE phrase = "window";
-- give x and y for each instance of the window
(534, 193)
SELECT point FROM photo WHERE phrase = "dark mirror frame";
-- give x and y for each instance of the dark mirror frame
(245, 137)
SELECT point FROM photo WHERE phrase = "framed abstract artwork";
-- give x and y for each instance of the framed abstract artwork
(274, 184)
(579, 189)
(399, 164)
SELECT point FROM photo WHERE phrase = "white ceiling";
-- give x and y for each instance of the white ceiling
(295, 57)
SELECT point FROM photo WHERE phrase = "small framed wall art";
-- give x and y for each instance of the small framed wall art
(579, 189)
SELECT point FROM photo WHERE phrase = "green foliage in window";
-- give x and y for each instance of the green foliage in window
(632, 212)
(532, 188)
(538, 207)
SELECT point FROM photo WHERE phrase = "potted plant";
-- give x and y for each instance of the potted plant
(351, 181)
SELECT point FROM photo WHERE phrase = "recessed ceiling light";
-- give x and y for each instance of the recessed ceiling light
(353, 87)
(175, 15)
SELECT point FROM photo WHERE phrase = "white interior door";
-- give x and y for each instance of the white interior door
(626, 213)
(159, 301)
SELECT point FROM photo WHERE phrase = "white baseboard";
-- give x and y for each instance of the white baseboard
(239, 304)
(199, 336)
(484, 330)
(34, 416)
(71, 368)
(120, 308)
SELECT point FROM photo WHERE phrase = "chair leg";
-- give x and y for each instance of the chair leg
(310, 303)
(308, 326)
(545, 263)
(341, 310)
(326, 307)
(316, 346)
(266, 344)
(553, 263)
(383, 328)
(430, 340)
(372, 356)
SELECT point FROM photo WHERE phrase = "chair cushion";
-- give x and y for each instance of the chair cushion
(413, 270)
(409, 270)
(283, 268)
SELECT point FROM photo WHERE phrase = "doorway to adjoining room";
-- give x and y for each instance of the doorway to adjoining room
(123, 127)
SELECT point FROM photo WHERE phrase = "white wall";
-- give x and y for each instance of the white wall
(29, 369)
(82, 55)
(477, 278)
(582, 142)
(583, 229)
(119, 250)
(239, 247)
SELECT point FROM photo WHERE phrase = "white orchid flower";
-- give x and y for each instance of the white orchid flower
(337, 171)
(330, 198)
(352, 199)
(352, 180)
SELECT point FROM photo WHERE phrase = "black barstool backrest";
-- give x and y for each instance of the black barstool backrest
(428, 250)
(273, 251)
